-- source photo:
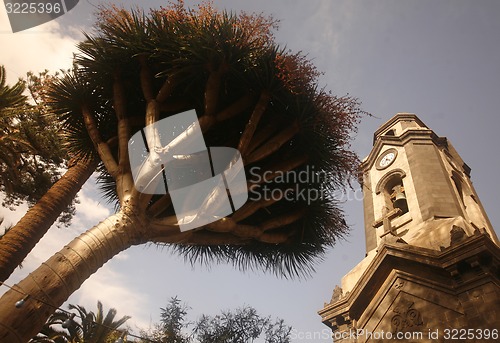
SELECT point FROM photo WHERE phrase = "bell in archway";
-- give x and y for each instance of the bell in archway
(400, 199)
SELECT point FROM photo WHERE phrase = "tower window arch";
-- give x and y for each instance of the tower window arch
(392, 187)
(395, 195)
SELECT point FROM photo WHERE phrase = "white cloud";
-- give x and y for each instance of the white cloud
(47, 46)
(111, 288)
(90, 210)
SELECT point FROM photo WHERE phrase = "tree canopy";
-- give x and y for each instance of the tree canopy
(248, 93)
(241, 325)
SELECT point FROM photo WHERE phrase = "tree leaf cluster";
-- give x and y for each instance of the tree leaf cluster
(242, 325)
(81, 326)
(31, 154)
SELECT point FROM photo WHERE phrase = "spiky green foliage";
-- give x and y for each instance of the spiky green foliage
(211, 61)
(10, 96)
(85, 326)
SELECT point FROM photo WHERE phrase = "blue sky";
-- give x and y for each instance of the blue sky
(438, 59)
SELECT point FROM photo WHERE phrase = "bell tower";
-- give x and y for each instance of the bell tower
(415, 186)
(432, 256)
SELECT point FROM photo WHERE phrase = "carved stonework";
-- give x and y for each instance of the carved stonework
(399, 284)
(337, 294)
(457, 234)
(406, 318)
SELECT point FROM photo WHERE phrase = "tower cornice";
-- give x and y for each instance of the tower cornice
(400, 261)
(415, 134)
(397, 118)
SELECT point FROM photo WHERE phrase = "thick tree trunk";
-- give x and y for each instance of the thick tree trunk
(50, 285)
(16, 244)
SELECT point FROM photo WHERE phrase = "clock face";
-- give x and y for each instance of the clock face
(387, 158)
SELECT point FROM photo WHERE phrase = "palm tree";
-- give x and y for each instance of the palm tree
(30, 151)
(30, 155)
(80, 326)
(11, 100)
(22, 237)
(248, 94)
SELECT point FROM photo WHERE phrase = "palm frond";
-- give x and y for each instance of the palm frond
(11, 96)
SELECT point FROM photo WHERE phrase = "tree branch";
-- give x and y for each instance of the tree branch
(283, 220)
(273, 144)
(277, 169)
(251, 126)
(246, 232)
(145, 75)
(159, 206)
(101, 147)
(264, 134)
(152, 116)
(212, 90)
(119, 97)
(167, 88)
(124, 181)
(175, 105)
(165, 230)
(165, 226)
(236, 108)
(251, 207)
(228, 225)
(123, 123)
(206, 121)
(201, 237)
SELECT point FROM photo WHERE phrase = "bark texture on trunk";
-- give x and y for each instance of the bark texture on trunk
(16, 244)
(50, 285)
